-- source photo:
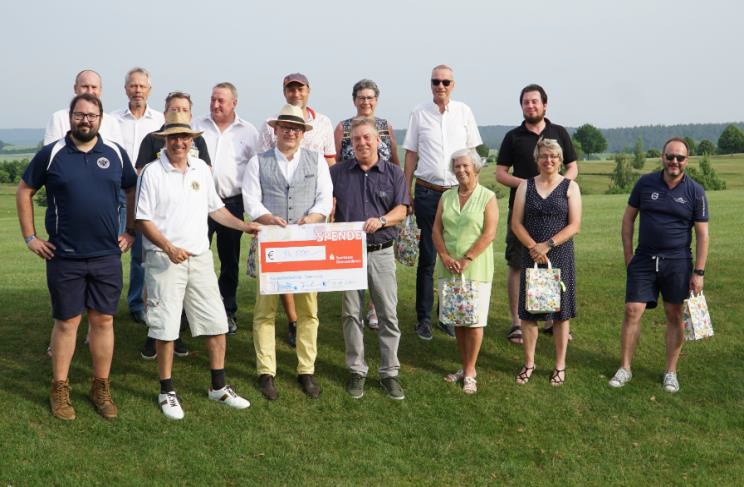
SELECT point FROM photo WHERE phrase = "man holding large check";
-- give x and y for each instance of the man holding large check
(287, 185)
(371, 190)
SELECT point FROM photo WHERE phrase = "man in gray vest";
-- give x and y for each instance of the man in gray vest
(283, 186)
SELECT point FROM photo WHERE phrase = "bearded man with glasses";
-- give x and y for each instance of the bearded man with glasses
(670, 204)
(436, 129)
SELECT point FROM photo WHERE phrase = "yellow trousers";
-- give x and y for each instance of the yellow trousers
(264, 332)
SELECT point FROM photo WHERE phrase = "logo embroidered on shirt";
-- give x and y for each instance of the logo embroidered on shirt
(680, 200)
(654, 196)
(103, 163)
(195, 185)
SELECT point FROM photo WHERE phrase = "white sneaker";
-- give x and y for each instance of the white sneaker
(170, 405)
(227, 396)
(671, 384)
(621, 377)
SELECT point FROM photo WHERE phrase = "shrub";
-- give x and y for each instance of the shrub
(706, 175)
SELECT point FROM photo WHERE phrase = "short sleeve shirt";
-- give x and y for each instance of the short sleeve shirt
(319, 139)
(82, 217)
(667, 215)
(362, 195)
(518, 147)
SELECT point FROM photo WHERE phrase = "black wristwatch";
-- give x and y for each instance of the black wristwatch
(551, 243)
(699, 272)
(131, 232)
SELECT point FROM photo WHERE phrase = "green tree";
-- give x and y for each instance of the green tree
(639, 156)
(591, 139)
(731, 140)
(691, 146)
(578, 149)
(2, 144)
(706, 175)
(653, 154)
(483, 150)
(706, 147)
(622, 177)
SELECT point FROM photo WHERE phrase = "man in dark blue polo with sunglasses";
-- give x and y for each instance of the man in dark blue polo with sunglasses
(436, 129)
(670, 204)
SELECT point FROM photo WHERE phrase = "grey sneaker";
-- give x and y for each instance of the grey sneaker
(423, 330)
(671, 384)
(355, 386)
(448, 329)
(391, 386)
(232, 324)
(621, 377)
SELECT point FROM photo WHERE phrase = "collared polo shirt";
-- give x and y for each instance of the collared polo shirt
(59, 125)
(133, 130)
(177, 203)
(667, 215)
(436, 136)
(362, 195)
(229, 151)
(319, 139)
(82, 216)
(253, 196)
(152, 146)
(518, 150)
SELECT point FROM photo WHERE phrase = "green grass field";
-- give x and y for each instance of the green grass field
(584, 433)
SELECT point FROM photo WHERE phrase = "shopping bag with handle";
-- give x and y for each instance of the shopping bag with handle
(696, 317)
(543, 289)
(458, 302)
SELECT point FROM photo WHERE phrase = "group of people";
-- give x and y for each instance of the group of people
(197, 179)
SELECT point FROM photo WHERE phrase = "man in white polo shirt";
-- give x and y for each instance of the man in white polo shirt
(231, 142)
(175, 195)
(436, 129)
(136, 120)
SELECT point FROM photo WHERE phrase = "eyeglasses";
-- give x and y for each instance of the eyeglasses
(672, 157)
(289, 129)
(545, 157)
(365, 98)
(437, 82)
(80, 116)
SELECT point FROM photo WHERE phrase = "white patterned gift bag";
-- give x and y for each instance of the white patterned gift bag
(543, 289)
(458, 301)
(407, 243)
(252, 264)
(696, 317)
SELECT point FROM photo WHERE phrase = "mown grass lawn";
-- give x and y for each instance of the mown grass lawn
(584, 433)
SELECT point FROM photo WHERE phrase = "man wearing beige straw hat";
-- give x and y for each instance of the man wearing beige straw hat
(285, 173)
(175, 195)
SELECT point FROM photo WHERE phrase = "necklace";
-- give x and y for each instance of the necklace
(465, 194)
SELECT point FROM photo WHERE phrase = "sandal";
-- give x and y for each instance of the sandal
(524, 375)
(515, 335)
(555, 377)
(469, 385)
(456, 377)
(548, 330)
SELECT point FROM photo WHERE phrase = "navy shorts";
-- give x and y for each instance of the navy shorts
(79, 284)
(513, 251)
(648, 275)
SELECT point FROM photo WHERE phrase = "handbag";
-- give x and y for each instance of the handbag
(407, 242)
(696, 317)
(252, 251)
(543, 289)
(458, 302)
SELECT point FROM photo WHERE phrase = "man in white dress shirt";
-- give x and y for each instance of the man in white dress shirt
(231, 142)
(436, 129)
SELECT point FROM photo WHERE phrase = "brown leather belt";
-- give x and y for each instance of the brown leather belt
(432, 186)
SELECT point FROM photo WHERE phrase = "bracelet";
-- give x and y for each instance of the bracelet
(467, 257)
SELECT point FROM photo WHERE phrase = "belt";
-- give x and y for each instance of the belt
(232, 198)
(432, 186)
(376, 247)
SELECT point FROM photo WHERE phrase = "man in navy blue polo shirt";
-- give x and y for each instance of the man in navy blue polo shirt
(371, 190)
(83, 174)
(670, 205)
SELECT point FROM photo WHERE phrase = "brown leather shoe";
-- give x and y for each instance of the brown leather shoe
(309, 387)
(266, 386)
(100, 395)
(59, 399)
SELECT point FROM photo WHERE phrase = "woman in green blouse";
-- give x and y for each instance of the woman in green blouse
(464, 228)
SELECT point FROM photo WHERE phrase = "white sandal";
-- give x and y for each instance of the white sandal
(456, 377)
(469, 385)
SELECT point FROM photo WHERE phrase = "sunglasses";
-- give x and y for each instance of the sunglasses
(437, 82)
(672, 157)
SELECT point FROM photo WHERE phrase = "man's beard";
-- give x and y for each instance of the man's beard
(536, 119)
(84, 137)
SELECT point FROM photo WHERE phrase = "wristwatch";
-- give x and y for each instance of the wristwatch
(29, 238)
(383, 221)
(551, 243)
(699, 272)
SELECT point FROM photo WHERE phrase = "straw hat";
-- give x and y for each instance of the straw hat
(291, 114)
(177, 123)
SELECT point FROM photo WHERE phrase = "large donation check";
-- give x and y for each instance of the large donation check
(314, 257)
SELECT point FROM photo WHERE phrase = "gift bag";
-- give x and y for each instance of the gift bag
(696, 317)
(407, 243)
(543, 289)
(458, 301)
(252, 266)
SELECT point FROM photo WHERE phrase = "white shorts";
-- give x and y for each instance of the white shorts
(190, 286)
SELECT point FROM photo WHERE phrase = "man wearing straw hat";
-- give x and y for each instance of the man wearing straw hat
(287, 185)
(175, 194)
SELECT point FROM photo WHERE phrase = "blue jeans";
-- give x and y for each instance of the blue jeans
(136, 276)
(228, 249)
(425, 208)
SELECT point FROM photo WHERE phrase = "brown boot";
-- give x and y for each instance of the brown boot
(100, 395)
(59, 399)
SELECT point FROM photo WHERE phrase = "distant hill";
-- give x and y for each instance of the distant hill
(653, 136)
(22, 137)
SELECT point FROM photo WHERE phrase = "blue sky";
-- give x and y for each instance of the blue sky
(611, 64)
